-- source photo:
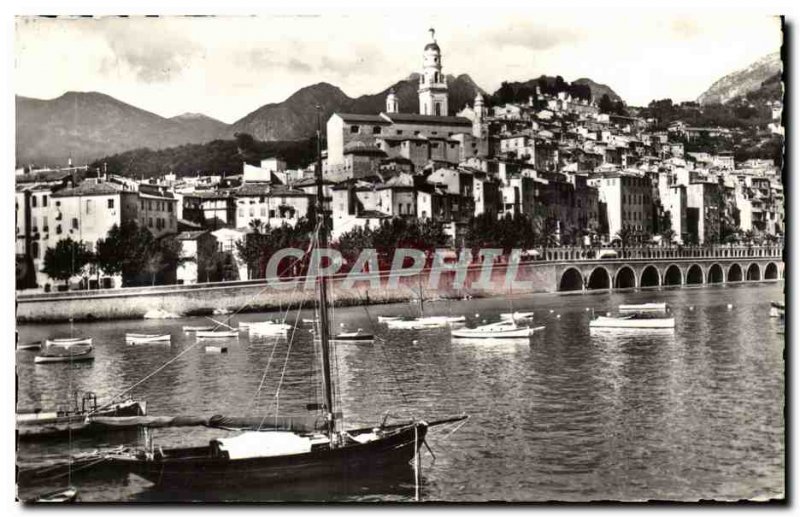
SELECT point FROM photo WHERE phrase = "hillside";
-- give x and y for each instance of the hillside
(295, 118)
(741, 82)
(582, 88)
(85, 125)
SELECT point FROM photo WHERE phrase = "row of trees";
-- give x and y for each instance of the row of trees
(128, 250)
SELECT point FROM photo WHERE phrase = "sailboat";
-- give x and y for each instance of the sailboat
(423, 322)
(289, 448)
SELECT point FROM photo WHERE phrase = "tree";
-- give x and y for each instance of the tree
(125, 250)
(606, 105)
(626, 236)
(66, 260)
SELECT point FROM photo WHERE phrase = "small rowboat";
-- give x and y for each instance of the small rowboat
(217, 334)
(428, 322)
(190, 328)
(644, 307)
(516, 315)
(500, 330)
(140, 339)
(64, 342)
(385, 319)
(632, 322)
(246, 325)
(59, 496)
(212, 349)
(72, 353)
(356, 336)
(36, 345)
(269, 329)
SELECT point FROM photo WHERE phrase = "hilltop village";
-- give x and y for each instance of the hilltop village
(556, 169)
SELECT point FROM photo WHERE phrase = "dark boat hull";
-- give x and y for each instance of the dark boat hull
(75, 424)
(396, 449)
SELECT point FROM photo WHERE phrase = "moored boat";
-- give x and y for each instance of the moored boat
(36, 425)
(634, 321)
(138, 339)
(217, 334)
(358, 335)
(499, 330)
(216, 349)
(426, 322)
(65, 342)
(36, 345)
(644, 307)
(67, 495)
(65, 354)
(517, 315)
(198, 328)
(384, 319)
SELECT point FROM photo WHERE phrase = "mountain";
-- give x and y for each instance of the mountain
(741, 82)
(86, 125)
(598, 90)
(201, 128)
(295, 118)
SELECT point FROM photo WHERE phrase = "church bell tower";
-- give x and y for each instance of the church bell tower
(432, 84)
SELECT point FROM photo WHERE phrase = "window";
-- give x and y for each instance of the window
(34, 224)
(272, 213)
(33, 201)
(399, 131)
(58, 203)
(111, 203)
(354, 130)
(252, 212)
(45, 227)
(142, 204)
(376, 130)
(74, 223)
(88, 206)
(149, 205)
(150, 222)
(263, 211)
(434, 132)
(35, 249)
(241, 212)
(44, 200)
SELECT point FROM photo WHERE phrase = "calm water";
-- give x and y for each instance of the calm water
(569, 415)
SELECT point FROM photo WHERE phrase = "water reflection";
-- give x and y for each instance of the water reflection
(569, 414)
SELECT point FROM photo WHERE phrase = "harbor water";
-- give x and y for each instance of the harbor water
(568, 415)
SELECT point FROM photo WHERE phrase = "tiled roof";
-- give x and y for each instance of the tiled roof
(432, 120)
(190, 236)
(366, 119)
(89, 189)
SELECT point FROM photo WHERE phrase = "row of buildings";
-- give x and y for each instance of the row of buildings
(585, 177)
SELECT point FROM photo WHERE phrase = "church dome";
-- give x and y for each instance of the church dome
(432, 46)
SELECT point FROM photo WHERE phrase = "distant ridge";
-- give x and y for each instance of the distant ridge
(741, 82)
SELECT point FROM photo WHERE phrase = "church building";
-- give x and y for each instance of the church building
(359, 145)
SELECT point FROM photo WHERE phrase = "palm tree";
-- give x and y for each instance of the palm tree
(257, 225)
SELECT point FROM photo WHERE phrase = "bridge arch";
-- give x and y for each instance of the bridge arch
(599, 279)
(673, 276)
(715, 274)
(753, 272)
(571, 280)
(735, 273)
(650, 277)
(694, 275)
(625, 278)
(771, 271)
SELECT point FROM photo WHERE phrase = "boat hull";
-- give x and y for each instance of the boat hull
(217, 335)
(32, 427)
(621, 323)
(69, 358)
(495, 334)
(397, 449)
(644, 307)
(66, 342)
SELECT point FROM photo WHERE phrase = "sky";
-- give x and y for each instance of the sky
(227, 67)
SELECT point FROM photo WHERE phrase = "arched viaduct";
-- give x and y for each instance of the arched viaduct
(652, 268)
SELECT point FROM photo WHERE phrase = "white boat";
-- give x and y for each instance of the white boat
(632, 322)
(427, 322)
(310, 320)
(269, 328)
(66, 342)
(70, 354)
(644, 307)
(212, 349)
(217, 334)
(160, 314)
(196, 328)
(140, 339)
(518, 315)
(501, 329)
(384, 319)
(245, 325)
(356, 336)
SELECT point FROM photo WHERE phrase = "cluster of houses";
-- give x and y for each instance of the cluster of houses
(587, 176)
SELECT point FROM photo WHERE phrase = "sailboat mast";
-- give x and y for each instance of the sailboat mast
(322, 242)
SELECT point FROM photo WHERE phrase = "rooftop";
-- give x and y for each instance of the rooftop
(412, 118)
(89, 189)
